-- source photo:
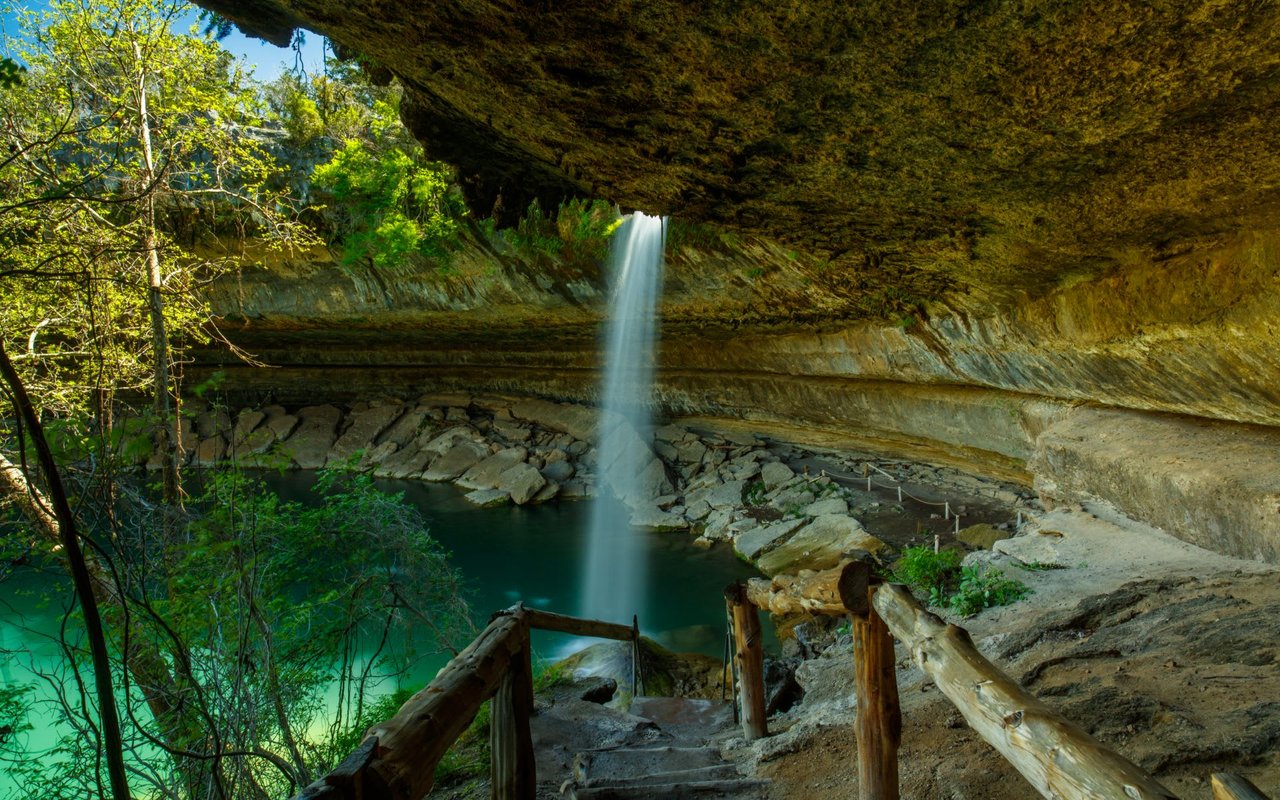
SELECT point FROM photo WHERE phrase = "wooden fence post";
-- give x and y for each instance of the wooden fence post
(750, 654)
(512, 763)
(879, 722)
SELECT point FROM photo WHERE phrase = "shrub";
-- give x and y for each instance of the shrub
(964, 590)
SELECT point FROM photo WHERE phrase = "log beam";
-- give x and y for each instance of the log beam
(549, 621)
(401, 763)
(1059, 759)
(749, 651)
(511, 765)
(879, 722)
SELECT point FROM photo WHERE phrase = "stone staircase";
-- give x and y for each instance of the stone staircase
(678, 757)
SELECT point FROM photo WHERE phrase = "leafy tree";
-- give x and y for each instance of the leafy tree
(391, 206)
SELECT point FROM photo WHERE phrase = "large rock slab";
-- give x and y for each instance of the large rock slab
(820, 545)
(775, 474)
(753, 542)
(407, 427)
(310, 443)
(485, 474)
(462, 456)
(521, 481)
(363, 427)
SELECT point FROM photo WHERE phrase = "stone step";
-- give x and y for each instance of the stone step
(741, 789)
(685, 719)
(625, 763)
(717, 772)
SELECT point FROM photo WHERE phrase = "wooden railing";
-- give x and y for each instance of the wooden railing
(397, 759)
(1058, 758)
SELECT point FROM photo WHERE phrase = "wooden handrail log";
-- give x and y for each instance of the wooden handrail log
(1230, 786)
(1059, 759)
(411, 743)
(561, 623)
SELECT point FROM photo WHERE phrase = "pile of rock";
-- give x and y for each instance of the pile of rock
(723, 486)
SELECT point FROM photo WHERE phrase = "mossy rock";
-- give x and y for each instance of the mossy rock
(981, 536)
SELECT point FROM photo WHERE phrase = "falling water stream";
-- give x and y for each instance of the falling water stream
(615, 567)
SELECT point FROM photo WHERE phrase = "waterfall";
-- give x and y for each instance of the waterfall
(616, 569)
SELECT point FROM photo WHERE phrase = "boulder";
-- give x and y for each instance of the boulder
(377, 454)
(577, 490)
(212, 423)
(691, 452)
(210, 451)
(485, 474)
(665, 451)
(981, 536)
(752, 543)
(363, 428)
(558, 471)
(246, 422)
(827, 505)
(726, 495)
(653, 518)
(311, 441)
(819, 545)
(406, 462)
(444, 441)
(512, 431)
(521, 481)
(546, 493)
(406, 428)
(487, 497)
(257, 442)
(653, 481)
(775, 474)
(460, 457)
(281, 423)
(578, 421)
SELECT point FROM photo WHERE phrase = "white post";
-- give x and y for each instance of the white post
(957, 523)
(937, 542)
(868, 483)
(946, 510)
(899, 493)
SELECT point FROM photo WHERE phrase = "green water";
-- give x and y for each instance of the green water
(507, 554)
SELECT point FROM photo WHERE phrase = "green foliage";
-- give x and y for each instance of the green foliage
(10, 73)
(390, 205)
(927, 572)
(964, 590)
(979, 590)
(754, 493)
(578, 230)
(1039, 566)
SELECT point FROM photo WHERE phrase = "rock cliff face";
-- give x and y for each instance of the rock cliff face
(1042, 241)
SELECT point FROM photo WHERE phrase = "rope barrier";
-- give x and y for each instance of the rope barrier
(947, 513)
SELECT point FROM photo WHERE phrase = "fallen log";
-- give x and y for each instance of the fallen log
(550, 621)
(1059, 759)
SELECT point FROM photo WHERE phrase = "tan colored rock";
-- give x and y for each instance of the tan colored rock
(317, 429)
(981, 536)
(486, 473)
(362, 428)
(820, 545)
(451, 464)
(522, 482)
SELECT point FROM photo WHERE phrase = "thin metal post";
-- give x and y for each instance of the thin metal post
(899, 493)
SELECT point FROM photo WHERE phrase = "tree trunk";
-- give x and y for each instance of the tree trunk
(69, 538)
(164, 405)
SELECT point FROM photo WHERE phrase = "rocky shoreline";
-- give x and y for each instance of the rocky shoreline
(774, 503)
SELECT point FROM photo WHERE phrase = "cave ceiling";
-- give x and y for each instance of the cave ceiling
(998, 148)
